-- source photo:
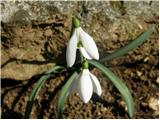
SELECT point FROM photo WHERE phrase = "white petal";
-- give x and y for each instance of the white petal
(71, 50)
(89, 44)
(85, 87)
(96, 85)
(84, 53)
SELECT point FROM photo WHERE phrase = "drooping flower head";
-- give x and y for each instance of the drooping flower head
(82, 41)
(85, 84)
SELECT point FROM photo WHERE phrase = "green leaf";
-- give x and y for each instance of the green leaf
(132, 45)
(37, 88)
(64, 93)
(119, 85)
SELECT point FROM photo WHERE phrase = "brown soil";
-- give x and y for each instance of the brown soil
(138, 69)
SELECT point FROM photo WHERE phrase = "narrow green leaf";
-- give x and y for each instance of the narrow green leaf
(119, 85)
(64, 93)
(37, 88)
(132, 45)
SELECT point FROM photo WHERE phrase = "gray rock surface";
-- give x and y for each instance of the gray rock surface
(107, 22)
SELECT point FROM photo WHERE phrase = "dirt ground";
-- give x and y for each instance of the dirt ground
(138, 69)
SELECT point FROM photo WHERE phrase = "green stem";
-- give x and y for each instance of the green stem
(76, 22)
(85, 64)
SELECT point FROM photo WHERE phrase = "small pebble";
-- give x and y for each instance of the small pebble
(139, 73)
(157, 80)
(48, 32)
(153, 103)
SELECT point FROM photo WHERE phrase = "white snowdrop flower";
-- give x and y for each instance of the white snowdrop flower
(85, 84)
(84, 42)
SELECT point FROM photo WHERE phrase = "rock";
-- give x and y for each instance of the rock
(153, 103)
(39, 30)
(157, 80)
(48, 32)
(23, 71)
(139, 73)
(28, 51)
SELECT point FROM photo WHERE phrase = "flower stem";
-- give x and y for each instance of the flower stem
(76, 22)
(85, 64)
(81, 57)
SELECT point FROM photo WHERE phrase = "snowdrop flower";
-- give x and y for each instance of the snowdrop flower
(85, 84)
(84, 42)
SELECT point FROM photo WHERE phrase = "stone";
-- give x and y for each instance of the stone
(39, 30)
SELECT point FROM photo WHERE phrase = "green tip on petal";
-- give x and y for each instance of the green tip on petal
(79, 44)
(85, 64)
(76, 22)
